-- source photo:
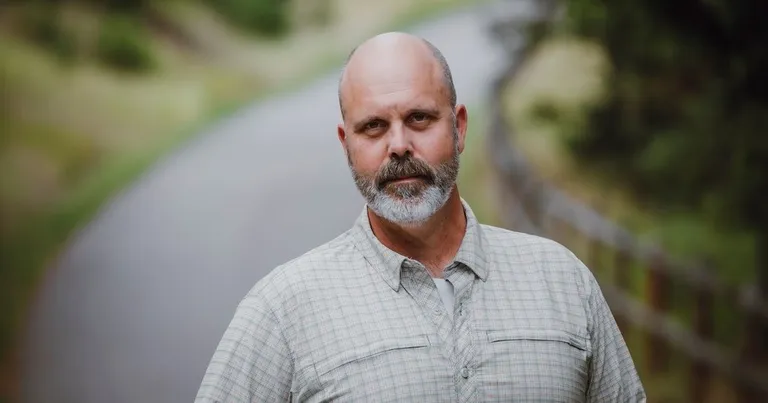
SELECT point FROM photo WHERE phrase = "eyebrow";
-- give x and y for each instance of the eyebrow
(360, 125)
(428, 111)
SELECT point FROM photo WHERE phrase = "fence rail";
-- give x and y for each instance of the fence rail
(537, 207)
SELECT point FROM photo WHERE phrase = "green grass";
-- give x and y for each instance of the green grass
(25, 255)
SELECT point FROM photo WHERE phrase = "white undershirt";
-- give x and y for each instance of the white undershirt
(445, 289)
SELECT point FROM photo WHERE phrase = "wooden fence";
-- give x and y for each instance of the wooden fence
(668, 308)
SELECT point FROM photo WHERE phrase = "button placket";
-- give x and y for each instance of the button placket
(419, 284)
(465, 348)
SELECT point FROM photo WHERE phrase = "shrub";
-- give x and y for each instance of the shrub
(124, 45)
(265, 17)
(687, 112)
(42, 25)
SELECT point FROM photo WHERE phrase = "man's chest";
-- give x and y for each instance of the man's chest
(371, 343)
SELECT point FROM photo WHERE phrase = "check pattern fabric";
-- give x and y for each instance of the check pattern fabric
(352, 321)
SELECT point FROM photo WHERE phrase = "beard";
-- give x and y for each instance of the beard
(412, 202)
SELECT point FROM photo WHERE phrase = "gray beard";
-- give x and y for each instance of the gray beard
(407, 204)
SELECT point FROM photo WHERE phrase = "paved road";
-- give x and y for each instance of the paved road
(136, 305)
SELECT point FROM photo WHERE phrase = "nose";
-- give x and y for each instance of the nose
(399, 141)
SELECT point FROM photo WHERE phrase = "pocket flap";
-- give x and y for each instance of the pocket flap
(558, 335)
(370, 350)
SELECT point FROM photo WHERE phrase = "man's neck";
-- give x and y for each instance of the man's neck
(434, 243)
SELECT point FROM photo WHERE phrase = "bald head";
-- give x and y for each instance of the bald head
(395, 53)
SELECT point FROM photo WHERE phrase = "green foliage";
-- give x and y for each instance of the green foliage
(124, 5)
(123, 42)
(547, 112)
(687, 110)
(124, 45)
(41, 24)
(265, 17)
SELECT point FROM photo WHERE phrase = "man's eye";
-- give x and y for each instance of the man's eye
(419, 117)
(373, 125)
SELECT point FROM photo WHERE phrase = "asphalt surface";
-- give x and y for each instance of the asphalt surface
(134, 308)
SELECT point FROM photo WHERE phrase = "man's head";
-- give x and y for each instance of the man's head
(402, 130)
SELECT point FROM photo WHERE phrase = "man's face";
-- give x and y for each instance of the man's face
(402, 139)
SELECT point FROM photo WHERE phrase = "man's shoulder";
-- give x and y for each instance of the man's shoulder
(506, 241)
(539, 256)
(316, 266)
(327, 257)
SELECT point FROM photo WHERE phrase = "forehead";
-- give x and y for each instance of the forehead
(385, 80)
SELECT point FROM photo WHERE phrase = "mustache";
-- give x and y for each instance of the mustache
(402, 168)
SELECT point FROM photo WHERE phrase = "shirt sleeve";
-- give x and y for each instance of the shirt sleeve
(612, 374)
(252, 362)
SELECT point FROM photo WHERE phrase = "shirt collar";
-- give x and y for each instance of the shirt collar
(389, 263)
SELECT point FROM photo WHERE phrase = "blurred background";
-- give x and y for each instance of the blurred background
(137, 132)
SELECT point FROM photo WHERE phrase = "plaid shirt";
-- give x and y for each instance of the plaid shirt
(353, 321)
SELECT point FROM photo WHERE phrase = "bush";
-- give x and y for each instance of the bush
(685, 118)
(124, 45)
(42, 25)
(265, 17)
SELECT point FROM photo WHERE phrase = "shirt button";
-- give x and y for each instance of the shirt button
(464, 372)
(438, 312)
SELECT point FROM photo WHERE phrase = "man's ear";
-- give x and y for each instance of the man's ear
(342, 134)
(461, 125)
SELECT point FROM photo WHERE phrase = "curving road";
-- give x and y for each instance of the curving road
(134, 308)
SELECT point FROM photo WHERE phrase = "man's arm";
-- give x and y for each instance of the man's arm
(252, 362)
(612, 374)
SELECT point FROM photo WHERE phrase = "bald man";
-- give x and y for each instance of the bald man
(418, 302)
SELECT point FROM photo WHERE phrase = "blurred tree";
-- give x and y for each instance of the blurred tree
(124, 38)
(265, 17)
(42, 24)
(686, 114)
(123, 44)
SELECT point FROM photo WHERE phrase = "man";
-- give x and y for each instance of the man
(418, 302)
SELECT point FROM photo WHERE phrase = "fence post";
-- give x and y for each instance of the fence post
(751, 351)
(703, 317)
(657, 289)
(622, 279)
(755, 348)
(559, 231)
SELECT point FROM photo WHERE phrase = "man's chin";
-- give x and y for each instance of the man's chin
(410, 185)
(387, 198)
(406, 200)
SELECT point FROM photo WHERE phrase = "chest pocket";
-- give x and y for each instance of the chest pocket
(534, 365)
(397, 368)
(371, 352)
